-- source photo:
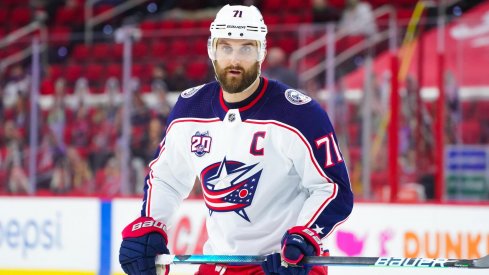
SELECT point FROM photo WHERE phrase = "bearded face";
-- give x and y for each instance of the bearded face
(234, 78)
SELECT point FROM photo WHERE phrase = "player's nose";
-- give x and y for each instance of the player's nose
(235, 59)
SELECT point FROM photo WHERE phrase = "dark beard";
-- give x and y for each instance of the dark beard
(236, 85)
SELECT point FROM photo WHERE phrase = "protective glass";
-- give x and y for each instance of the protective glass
(242, 52)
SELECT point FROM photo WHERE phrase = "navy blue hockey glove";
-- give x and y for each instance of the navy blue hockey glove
(299, 241)
(142, 241)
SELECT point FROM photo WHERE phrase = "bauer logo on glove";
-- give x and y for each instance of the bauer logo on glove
(156, 224)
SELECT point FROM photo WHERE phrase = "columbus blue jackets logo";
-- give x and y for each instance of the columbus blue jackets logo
(230, 186)
(297, 98)
(191, 91)
(200, 143)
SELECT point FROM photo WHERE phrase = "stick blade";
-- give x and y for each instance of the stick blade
(482, 262)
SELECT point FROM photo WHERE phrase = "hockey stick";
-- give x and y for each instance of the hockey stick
(329, 261)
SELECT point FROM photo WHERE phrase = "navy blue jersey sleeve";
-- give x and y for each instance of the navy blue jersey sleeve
(321, 136)
(312, 122)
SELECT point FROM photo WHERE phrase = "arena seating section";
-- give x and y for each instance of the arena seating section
(103, 58)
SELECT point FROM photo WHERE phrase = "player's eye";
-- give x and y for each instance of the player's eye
(226, 49)
(246, 50)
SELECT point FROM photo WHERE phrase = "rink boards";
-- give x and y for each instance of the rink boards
(82, 235)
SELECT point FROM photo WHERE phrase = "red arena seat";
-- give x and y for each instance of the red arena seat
(159, 49)
(197, 70)
(114, 70)
(3, 16)
(20, 16)
(149, 28)
(95, 73)
(73, 72)
(59, 36)
(102, 52)
(273, 5)
(140, 50)
(180, 47)
(81, 52)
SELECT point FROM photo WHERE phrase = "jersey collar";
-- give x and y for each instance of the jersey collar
(249, 105)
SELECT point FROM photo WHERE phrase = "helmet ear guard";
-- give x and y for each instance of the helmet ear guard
(210, 49)
(238, 22)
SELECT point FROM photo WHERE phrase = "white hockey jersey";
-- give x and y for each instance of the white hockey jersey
(265, 166)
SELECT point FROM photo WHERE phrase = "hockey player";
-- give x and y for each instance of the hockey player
(272, 173)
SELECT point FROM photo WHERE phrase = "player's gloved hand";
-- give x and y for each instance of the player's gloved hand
(297, 242)
(142, 240)
(272, 264)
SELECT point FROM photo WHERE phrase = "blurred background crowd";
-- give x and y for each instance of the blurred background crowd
(79, 112)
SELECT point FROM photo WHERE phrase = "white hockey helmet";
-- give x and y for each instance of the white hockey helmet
(238, 22)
